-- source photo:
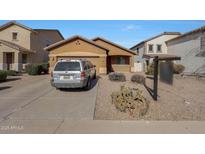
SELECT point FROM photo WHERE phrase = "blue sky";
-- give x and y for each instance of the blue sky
(124, 32)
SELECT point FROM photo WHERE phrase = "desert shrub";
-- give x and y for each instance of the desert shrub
(130, 100)
(150, 69)
(33, 69)
(11, 73)
(138, 78)
(3, 75)
(45, 68)
(178, 68)
(114, 76)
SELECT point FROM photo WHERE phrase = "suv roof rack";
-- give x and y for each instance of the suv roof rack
(67, 59)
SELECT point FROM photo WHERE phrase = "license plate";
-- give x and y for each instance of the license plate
(66, 78)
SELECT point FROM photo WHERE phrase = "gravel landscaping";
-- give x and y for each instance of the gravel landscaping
(184, 100)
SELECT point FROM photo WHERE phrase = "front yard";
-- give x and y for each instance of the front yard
(184, 100)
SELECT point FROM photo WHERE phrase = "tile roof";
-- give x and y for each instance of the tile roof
(57, 44)
(188, 33)
(4, 26)
(16, 46)
(151, 38)
(114, 44)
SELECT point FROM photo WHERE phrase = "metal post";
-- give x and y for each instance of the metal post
(155, 86)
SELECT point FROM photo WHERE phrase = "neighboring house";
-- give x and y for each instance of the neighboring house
(191, 48)
(20, 45)
(105, 55)
(153, 46)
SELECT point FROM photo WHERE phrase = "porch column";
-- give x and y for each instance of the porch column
(17, 61)
(52, 61)
(132, 64)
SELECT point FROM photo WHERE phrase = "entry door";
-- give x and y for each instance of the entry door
(109, 66)
(9, 60)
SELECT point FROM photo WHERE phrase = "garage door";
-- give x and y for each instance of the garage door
(94, 60)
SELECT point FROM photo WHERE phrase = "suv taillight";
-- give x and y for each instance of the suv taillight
(82, 75)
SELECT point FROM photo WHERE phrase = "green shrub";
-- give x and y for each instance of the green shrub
(138, 78)
(33, 69)
(3, 75)
(117, 76)
(178, 68)
(11, 73)
(45, 68)
(27, 67)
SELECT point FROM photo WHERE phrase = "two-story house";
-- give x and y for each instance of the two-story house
(191, 48)
(153, 46)
(20, 45)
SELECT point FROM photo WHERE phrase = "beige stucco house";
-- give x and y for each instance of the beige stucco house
(106, 55)
(191, 48)
(152, 46)
(20, 45)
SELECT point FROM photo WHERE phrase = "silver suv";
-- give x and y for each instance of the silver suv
(73, 74)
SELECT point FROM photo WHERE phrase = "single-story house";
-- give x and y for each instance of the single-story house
(21, 45)
(106, 55)
(191, 48)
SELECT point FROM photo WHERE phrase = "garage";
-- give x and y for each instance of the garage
(94, 59)
(78, 47)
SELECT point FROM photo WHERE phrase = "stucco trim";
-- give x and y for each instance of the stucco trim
(63, 42)
(15, 46)
(78, 54)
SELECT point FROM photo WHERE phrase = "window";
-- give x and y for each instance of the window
(121, 60)
(67, 66)
(24, 58)
(150, 47)
(203, 42)
(159, 48)
(48, 42)
(14, 35)
(137, 51)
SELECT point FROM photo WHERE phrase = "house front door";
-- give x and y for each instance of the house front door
(9, 60)
(109, 65)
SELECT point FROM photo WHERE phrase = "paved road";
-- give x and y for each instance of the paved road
(30, 103)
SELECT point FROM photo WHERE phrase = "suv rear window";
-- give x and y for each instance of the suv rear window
(67, 66)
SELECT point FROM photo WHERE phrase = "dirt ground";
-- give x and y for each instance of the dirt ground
(184, 100)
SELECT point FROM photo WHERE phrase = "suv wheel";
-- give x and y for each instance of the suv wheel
(94, 77)
(89, 83)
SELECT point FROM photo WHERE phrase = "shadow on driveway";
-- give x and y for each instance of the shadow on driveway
(11, 79)
(94, 82)
(6, 87)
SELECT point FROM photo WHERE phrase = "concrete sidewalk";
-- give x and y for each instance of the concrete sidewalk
(68, 126)
(128, 127)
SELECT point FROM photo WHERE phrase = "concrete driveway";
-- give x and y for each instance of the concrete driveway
(29, 104)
